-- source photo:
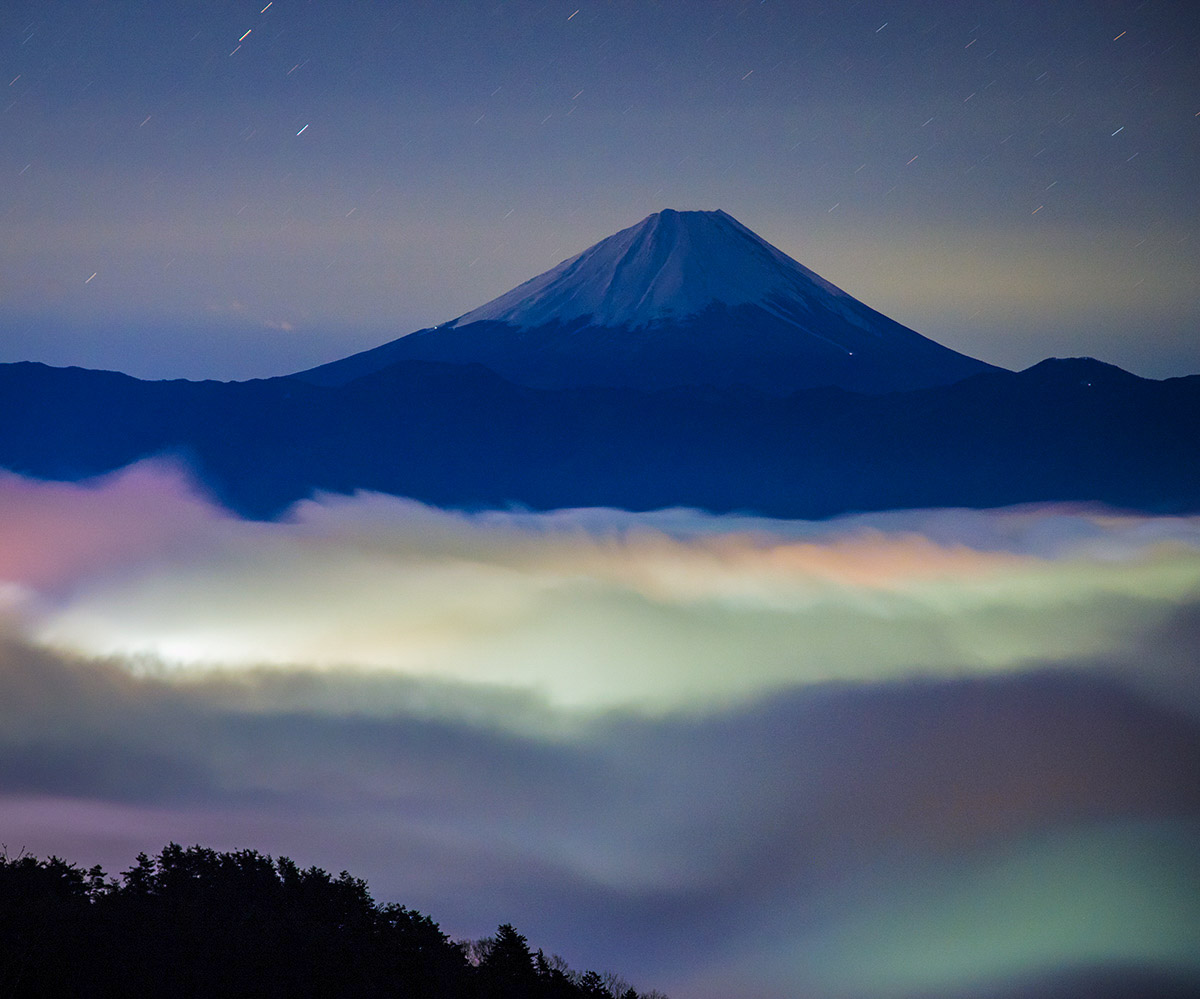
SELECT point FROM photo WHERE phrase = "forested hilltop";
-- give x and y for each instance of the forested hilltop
(197, 922)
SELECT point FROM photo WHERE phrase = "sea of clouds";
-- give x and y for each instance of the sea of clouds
(915, 752)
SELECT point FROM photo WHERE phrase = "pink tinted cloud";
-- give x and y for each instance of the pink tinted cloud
(55, 533)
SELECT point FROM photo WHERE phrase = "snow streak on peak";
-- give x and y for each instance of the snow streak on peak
(669, 266)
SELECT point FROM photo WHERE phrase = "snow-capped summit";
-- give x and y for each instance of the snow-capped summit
(669, 266)
(680, 299)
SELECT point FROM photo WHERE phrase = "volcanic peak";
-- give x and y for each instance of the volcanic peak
(680, 299)
(669, 266)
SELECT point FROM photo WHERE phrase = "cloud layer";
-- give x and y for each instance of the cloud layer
(881, 755)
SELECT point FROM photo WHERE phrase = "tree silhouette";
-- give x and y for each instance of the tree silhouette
(507, 966)
(43, 906)
(194, 922)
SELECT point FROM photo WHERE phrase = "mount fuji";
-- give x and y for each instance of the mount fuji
(683, 362)
(680, 299)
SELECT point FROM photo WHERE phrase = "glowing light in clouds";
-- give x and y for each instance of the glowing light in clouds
(821, 744)
(594, 608)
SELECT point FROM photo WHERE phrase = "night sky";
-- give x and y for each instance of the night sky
(230, 190)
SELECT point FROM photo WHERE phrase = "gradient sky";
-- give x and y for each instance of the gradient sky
(218, 189)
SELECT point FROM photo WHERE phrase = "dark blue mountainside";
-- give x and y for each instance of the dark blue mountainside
(681, 362)
(681, 298)
(459, 435)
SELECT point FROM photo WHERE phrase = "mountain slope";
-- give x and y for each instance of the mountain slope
(681, 298)
(460, 436)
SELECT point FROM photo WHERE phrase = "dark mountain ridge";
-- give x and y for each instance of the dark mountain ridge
(461, 436)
